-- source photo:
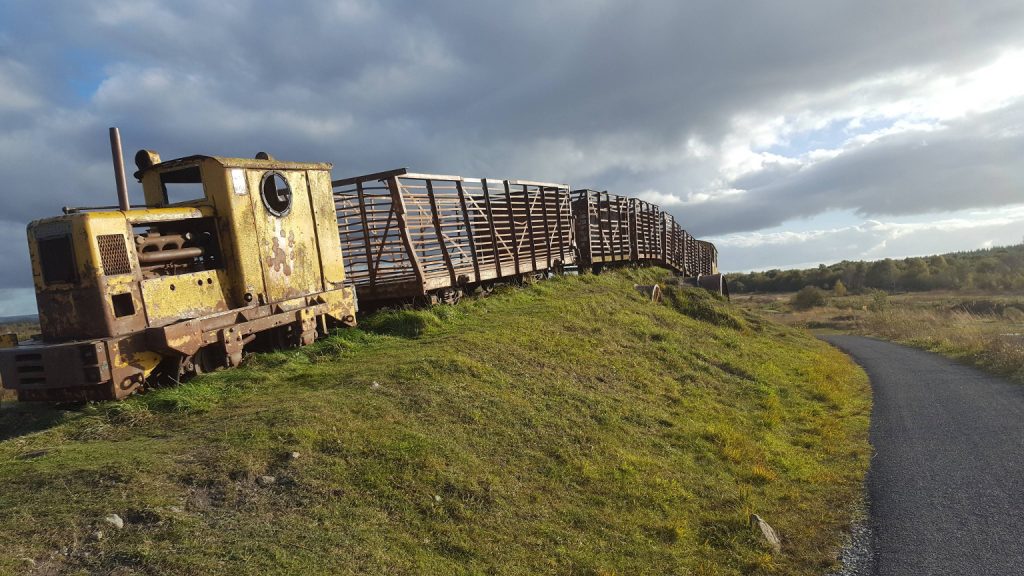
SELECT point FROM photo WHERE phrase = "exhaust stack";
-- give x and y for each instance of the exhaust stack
(122, 187)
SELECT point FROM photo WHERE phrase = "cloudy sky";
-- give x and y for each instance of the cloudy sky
(791, 132)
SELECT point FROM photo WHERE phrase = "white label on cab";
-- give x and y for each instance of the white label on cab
(238, 181)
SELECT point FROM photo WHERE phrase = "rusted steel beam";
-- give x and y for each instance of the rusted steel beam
(533, 183)
(370, 270)
(561, 240)
(490, 223)
(623, 210)
(398, 203)
(369, 177)
(436, 218)
(512, 226)
(469, 228)
(604, 225)
(634, 248)
(547, 227)
(529, 227)
(384, 241)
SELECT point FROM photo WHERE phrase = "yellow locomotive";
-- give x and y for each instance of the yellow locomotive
(180, 286)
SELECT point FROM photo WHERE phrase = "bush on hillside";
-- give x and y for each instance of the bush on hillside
(808, 297)
(703, 305)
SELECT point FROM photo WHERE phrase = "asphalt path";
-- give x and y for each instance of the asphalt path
(946, 482)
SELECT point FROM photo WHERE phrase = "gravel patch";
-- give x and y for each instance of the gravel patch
(857, 556)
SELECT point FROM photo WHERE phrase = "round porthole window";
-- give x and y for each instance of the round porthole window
(276, 194)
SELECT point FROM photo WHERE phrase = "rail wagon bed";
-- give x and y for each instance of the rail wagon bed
(407, 235)
(707, 259)
(602, 227)
(673, 244)
(645, 230)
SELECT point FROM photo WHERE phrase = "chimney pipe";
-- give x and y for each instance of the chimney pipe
(115, 151)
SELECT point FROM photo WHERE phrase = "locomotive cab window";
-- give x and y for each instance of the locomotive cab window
(57, 259)
(183, 185)
(276, 194)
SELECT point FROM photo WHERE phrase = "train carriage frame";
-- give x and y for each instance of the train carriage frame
(411, 235)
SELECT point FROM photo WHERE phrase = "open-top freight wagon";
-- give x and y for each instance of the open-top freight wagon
(645, 231)
(409, 236)
(603, 225)
(613, 229)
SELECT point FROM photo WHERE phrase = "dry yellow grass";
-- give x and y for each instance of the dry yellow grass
(991, 337)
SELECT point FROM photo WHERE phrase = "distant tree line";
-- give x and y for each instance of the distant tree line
(990, 269)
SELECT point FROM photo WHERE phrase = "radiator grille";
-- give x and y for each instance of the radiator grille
(113, 254)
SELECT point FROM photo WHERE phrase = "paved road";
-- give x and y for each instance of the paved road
(946, 484)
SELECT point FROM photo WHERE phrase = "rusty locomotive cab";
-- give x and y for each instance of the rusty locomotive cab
(226, 254)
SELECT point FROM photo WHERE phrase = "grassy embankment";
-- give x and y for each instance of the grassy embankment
(569, 427)
(982, 329)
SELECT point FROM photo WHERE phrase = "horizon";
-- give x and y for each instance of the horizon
(813, 265)
(815, 133)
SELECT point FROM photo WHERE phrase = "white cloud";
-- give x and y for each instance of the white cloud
(871, 239)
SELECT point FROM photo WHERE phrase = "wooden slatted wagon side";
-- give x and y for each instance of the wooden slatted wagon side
(602, 228)
(410, 236)
(645, 231)
(707, 259)
(673, 244)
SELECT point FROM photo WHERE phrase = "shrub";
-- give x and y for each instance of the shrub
(808, 297)
(1013, 314)
(839, 289)
(879, 301)
(703, 305)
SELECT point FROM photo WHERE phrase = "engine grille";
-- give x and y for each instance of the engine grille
(113, 254)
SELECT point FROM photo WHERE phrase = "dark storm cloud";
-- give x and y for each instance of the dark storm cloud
(608, 94)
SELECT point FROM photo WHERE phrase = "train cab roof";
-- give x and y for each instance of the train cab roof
(149, 161)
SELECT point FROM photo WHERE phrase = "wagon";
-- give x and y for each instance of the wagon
(602, 228)
(707, 261)
(645, 230)
(673, 244)
(407, 236)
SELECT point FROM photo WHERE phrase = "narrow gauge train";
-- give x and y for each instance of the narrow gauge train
(268, 254)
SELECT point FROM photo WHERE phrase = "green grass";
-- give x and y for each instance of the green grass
(569, 427)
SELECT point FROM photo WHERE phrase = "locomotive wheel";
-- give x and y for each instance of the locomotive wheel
(449, 296)
(206, 360)
(284, 337)
(486, 289)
